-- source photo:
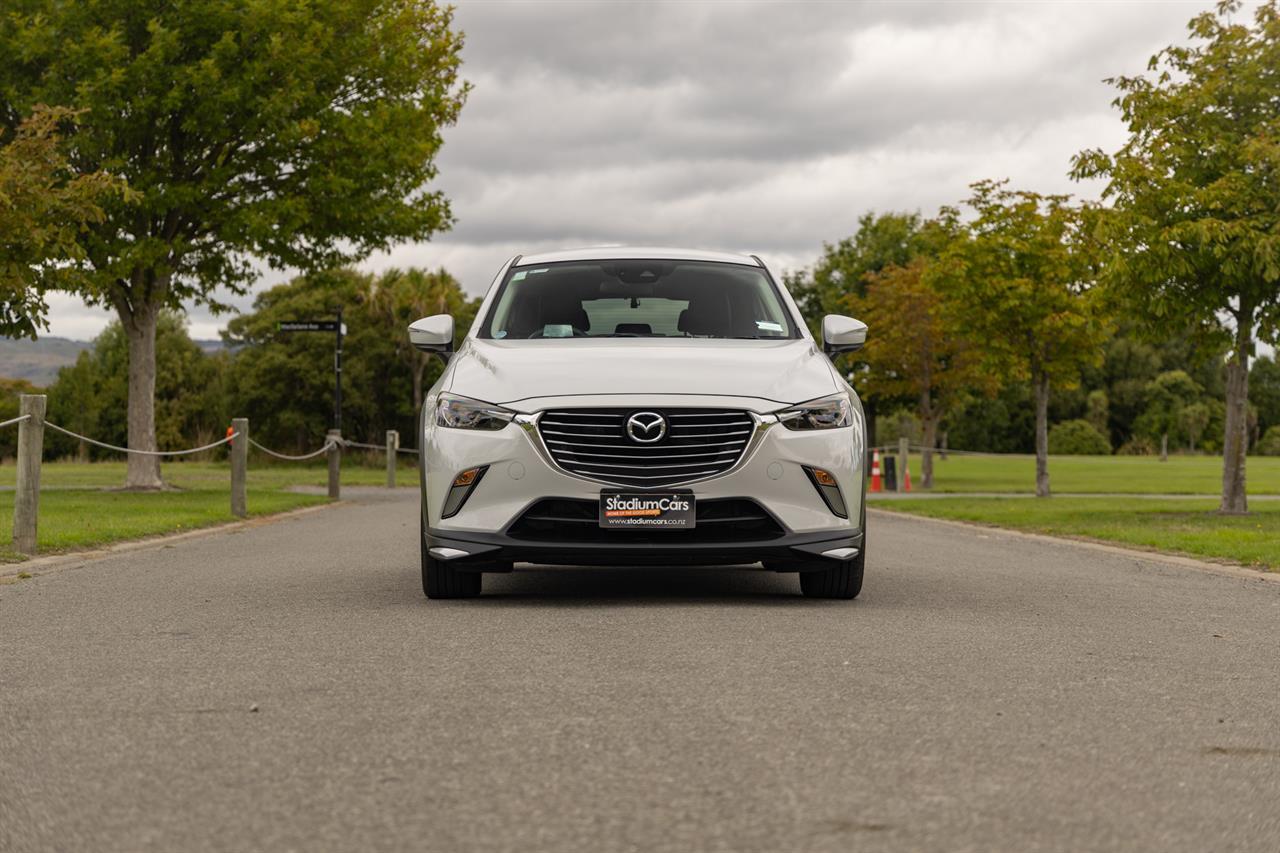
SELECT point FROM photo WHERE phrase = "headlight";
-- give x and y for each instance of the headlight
(462, 413)
(825, 413)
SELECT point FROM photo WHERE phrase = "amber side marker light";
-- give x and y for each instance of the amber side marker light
(828, 489)
(463, 485)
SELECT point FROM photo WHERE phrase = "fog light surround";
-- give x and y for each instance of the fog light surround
(825, 482)
(463, 485)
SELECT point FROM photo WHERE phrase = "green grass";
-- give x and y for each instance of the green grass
(1181, 475)
(1183, 525)
(79, 507)
(75, 519)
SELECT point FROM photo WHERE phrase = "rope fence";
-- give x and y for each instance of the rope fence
(103, 444)
(289, 458)
(31, 425)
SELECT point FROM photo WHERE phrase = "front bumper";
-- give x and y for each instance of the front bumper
(497, 551)
(520, 473)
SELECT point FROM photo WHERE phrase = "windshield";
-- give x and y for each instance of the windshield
(638, 299)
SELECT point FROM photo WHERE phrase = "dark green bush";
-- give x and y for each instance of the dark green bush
(1270, 443)
(1077, 438)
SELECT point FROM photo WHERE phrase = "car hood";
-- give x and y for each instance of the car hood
(507, 372)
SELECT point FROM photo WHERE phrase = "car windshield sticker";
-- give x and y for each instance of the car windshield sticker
(765, 325)
(557, 330)
(518, 276)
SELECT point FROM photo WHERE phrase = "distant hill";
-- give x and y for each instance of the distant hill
(38, 361)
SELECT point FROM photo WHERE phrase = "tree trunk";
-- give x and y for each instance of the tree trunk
(1236, 439)
(139, 323)
(1164, 447)
(1041, 383)
(930, 440)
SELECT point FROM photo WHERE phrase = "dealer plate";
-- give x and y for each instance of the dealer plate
(647, 510)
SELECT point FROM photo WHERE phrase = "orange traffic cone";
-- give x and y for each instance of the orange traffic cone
(906, 478)
(875, 470)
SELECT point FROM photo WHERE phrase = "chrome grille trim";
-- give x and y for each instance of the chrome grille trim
(591, 443)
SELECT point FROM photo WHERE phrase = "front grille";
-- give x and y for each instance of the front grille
(576, 520)
(593, 443)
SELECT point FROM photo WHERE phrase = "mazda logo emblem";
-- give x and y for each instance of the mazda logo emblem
(646, 427)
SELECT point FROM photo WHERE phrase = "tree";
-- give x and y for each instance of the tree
(301, 133)
(408, 295)
(918, 351)
(1098, 412)
(90, 396)
(881, 240)
(45, 207)
(1192, 231)
(1021, 284)
(1166, 396)
(284, 382)
(1193, 419)
(1264, 392)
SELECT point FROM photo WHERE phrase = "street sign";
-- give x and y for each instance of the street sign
(338, 329)
(308, 326)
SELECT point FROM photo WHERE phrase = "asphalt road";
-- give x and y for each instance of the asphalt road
(985, 693)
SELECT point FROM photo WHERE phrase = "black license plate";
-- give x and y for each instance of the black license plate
(647, 510)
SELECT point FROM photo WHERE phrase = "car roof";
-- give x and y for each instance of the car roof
(616, 253)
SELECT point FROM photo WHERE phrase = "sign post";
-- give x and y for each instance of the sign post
(338, 330)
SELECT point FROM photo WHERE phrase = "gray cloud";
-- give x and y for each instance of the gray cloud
(767, 127)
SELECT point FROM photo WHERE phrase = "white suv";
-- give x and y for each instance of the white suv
(626, 406)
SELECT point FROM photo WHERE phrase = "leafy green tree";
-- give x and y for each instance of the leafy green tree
(45, 206)
(90, 397)
(1166, 396)
(1193, 419)
(10, 391)
(1192, 231)
(301, 132)
(408, 295)
(1022, 285)
(283, 382)
(1098, 412)
(1264, 392)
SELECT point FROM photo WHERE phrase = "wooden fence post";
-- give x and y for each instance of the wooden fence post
(26, 500)
(240, 468)
(904, 445)
(393, 444)
(334, 437)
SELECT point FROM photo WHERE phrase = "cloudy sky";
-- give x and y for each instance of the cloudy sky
(752, 126)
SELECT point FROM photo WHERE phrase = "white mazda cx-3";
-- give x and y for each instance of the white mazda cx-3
(624, 406)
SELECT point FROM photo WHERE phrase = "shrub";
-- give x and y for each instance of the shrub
(1077, 438)
(1270, 444)
(1139, 445)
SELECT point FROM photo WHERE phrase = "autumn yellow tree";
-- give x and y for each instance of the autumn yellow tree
(918, 351)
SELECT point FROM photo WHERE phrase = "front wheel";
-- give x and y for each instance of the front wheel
(842, 580)
(440, 579)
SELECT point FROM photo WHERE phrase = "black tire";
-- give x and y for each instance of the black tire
(842, 580)
(440, 579)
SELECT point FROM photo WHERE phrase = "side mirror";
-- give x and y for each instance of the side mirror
(842, 334)
(433, 334)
